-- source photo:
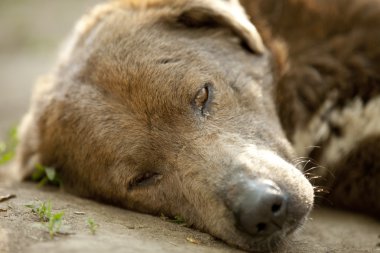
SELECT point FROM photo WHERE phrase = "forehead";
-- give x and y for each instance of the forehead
(141, 56)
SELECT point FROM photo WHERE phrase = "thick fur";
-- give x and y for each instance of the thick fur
(328, 96)
(120, 104)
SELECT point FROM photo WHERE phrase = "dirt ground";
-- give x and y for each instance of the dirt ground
(125, 231)
(30, 34)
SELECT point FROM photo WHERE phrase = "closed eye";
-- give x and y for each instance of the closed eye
(144, 180)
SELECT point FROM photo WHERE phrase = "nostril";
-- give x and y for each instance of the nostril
(276, 208)
(261, 208)
(261, 227)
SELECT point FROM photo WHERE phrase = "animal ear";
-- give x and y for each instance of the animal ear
(223, 12)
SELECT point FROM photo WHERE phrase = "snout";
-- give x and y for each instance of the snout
(261, 208)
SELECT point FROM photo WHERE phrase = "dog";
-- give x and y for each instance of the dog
(186, 108)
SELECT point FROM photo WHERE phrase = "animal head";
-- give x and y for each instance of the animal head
(168, 108)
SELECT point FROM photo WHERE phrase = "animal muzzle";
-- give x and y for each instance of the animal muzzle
(260, 207)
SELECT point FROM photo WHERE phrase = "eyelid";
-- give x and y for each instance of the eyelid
(144, 180)
(203, 96)
(205, 107)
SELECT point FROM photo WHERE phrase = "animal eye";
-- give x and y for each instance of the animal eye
(145, 179)
(202, 99)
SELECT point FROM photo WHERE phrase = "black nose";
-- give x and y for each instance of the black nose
(261, 208)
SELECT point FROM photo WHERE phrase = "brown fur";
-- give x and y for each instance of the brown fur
(333, 59)
(120, 104)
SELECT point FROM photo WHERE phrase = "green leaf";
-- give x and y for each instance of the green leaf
(92, 225)
(7, 148)
(38, 173)
(43, 182)
(50, 173)
(58, 216)
(45, 175)
(3, 147)
(6, 157)
(177, 220)
(51, 221)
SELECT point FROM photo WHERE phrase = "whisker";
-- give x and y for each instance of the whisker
(314, 177)
(313, 146)
(296, 164)
(313, 168)
(318, 188)
(301, 159)
(321, 190)
(304, 166)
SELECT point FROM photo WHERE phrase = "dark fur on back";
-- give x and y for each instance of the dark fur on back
(332, 68)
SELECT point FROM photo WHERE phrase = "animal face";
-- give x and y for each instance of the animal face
(162, 110)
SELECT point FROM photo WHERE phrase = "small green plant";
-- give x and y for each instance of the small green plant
(92, 225)
(54, 224)
(45, 175)
(176, 219)
(43, 210)
(52, 221)
(8, 147)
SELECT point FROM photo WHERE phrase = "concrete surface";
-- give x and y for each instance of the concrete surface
(125, 231)
(30, 35)
(31, 31)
